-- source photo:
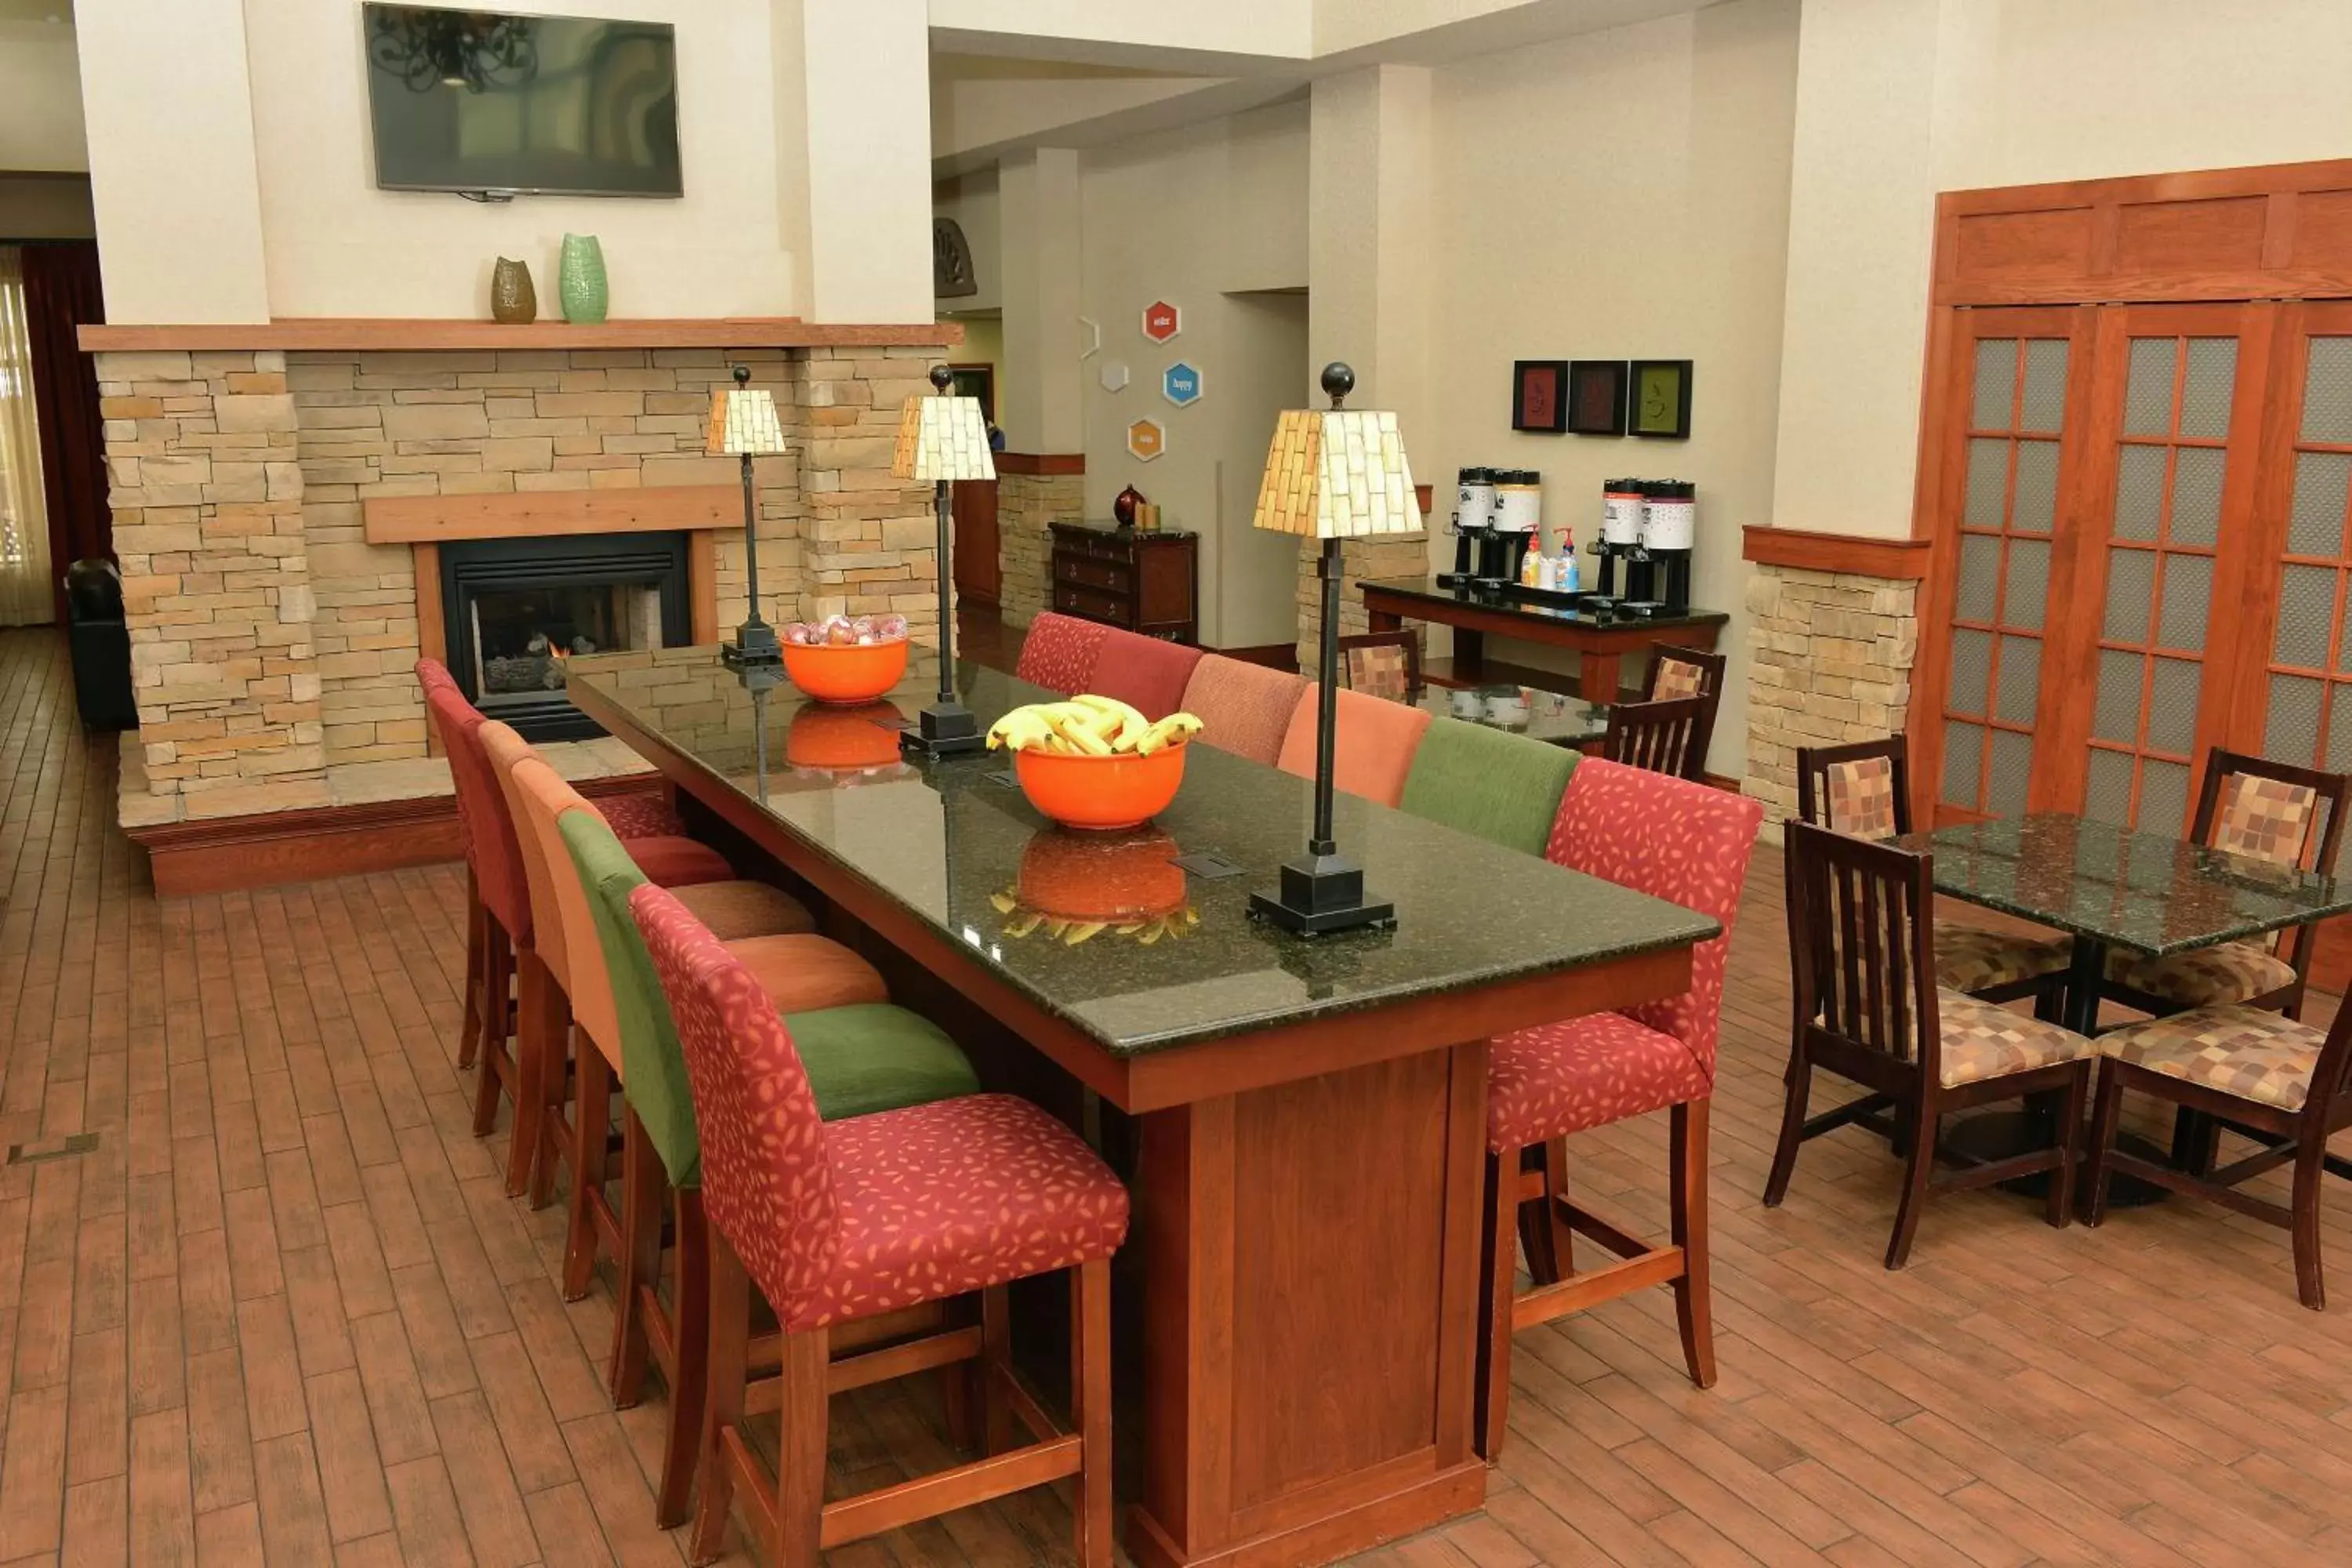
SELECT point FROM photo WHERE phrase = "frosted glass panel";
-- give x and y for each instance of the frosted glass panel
(2163, 797)
(2036, 507)
(2029, 584)
(2188, 593)
(2116, 716)
(1963, 762)
(2147, 391)
(2131, 584)
(2291, 734)
(2172, 706)
(1979, 578)
(2306, 612)
(2139, 492)
(2021, 679)
(2012, 765)
(2045, 384)
(1988, 481)
(2196, 496)
(1971, 670)
(2205, 393)
(2327, 391)
(2340, 730)
(1996, 380)
(2107, 797)
(2323, 483)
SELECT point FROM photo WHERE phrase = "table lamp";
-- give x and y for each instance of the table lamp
(743, 424)
(943, 438)
(1332, 474)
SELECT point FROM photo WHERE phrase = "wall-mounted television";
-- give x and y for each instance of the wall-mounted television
(486, 102)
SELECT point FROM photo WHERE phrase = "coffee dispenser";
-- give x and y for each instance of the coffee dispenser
(1517, 503)
(1473, 518)
(1623, 503)
(1669, 533)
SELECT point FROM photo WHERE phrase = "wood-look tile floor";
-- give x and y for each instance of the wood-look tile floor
(282, 1310)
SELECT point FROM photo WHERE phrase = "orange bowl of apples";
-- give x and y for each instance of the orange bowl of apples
(846, 659)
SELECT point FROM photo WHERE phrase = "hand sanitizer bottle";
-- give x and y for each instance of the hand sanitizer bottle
(1568, 568)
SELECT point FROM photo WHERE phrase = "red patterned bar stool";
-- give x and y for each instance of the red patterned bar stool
(1059, 652)
(849, 1220)
(1686, 843)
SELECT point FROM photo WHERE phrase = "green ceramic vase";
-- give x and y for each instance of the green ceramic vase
(579, 280)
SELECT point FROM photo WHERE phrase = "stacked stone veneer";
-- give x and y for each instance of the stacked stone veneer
(271, 643)
(1361, 560)
(1027, 505)
(1829, 657)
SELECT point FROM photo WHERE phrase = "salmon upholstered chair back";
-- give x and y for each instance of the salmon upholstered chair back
(1372, 749)
(1058, 652)
(1146, 673)
(505, 749)
(544, 799)
(767, 1179)
(1244, 708)
(653, 1069)
(492, 849)
(1686, 843)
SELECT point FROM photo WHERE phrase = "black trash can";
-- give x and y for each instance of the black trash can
(100, 640)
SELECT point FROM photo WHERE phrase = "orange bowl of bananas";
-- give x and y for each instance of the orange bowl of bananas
(1095, 763)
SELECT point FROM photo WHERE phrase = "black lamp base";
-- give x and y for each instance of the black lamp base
(758, 669)
(1321, 893)
(945, 729)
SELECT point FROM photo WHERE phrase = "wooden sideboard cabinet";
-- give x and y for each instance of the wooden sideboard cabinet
(1147, 582)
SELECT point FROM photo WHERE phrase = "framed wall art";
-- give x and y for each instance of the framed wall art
(1660, 398)
(1540, 395)
(1596, 397)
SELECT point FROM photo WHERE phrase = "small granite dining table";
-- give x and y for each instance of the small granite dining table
(1310, 1113)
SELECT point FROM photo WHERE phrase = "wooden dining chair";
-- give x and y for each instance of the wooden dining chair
(1386, 664)
(2263, 1075)
(1867, 1007)
(1863, 789)
(1687, 672)
(2276, 812)
(1661, 736)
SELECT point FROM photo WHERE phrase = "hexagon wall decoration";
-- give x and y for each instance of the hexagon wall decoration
(1113, 376)
(1089, 337)
(1146, 440)
(1179, 383)
(1161, 321)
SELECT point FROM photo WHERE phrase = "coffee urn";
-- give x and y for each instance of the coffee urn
(1621, 505)
(1473, 518)
(1669, 533)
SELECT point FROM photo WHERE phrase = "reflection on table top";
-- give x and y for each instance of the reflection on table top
(1521, 711)
(2138, 891)
(958, 846)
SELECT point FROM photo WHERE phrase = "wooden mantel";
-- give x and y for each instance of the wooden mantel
(377, 334)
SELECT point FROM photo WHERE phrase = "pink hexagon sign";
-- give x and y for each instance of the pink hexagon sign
(1161, 321)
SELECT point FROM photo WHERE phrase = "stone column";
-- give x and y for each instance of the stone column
(1829, 657)
(868, 542)
(207, 499)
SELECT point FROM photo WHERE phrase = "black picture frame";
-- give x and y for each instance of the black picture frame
(1657, 413)
(1540, 395)
(1596, 396)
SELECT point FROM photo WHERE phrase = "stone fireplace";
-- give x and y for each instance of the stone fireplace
(289, 519)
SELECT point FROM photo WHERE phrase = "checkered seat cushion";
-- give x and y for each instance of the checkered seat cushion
(2242, 1051)
(1982, 1040)
(1971, 958)
(2203, 977)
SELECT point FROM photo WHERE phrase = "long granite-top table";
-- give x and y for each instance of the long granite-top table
(1601, 639)
(1311, 1146)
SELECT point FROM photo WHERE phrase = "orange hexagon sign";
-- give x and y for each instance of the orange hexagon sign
(1161, 321)
(1146, 440)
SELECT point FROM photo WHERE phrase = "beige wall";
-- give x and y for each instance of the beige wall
(41, 99)
(44, 207)
(1656, 235)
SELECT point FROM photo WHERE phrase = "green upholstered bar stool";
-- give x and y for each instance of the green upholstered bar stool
(1498, 786)
(861, 1059)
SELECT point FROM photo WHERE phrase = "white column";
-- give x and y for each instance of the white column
(1041, 267)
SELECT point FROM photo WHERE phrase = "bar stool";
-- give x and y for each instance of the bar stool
(860, 1057)
(843, 1222)
(1059, 652)
(1673, 839)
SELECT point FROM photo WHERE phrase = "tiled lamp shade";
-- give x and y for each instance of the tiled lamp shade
(942, 439)
(743, 422)
(1337, 473)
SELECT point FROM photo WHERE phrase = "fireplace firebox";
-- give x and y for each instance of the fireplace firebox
(516, 611)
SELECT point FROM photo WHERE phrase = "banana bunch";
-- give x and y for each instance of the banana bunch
(1088, 725)
(1021, 921)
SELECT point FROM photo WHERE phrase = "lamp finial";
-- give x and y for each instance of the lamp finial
(1338, 380)
(743, 375)
(942, 377)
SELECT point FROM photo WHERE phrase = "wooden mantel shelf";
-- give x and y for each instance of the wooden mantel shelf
(386, 333)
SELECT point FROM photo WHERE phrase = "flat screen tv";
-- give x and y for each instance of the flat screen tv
(485, 103)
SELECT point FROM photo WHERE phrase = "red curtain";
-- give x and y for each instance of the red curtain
(61, 294)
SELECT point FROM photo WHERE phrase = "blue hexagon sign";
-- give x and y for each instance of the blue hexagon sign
(1180, 383)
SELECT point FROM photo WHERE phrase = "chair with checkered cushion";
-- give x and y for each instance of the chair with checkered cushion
(2262, 1076)
(2272, 811)
(1868, 1008)
(1386, 664)
(1864, 790)
(840, 1225)
(1679, 672)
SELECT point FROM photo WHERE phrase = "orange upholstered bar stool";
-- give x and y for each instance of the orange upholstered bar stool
(1372, 752)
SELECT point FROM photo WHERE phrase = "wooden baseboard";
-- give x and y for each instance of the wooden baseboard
(228, 853)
